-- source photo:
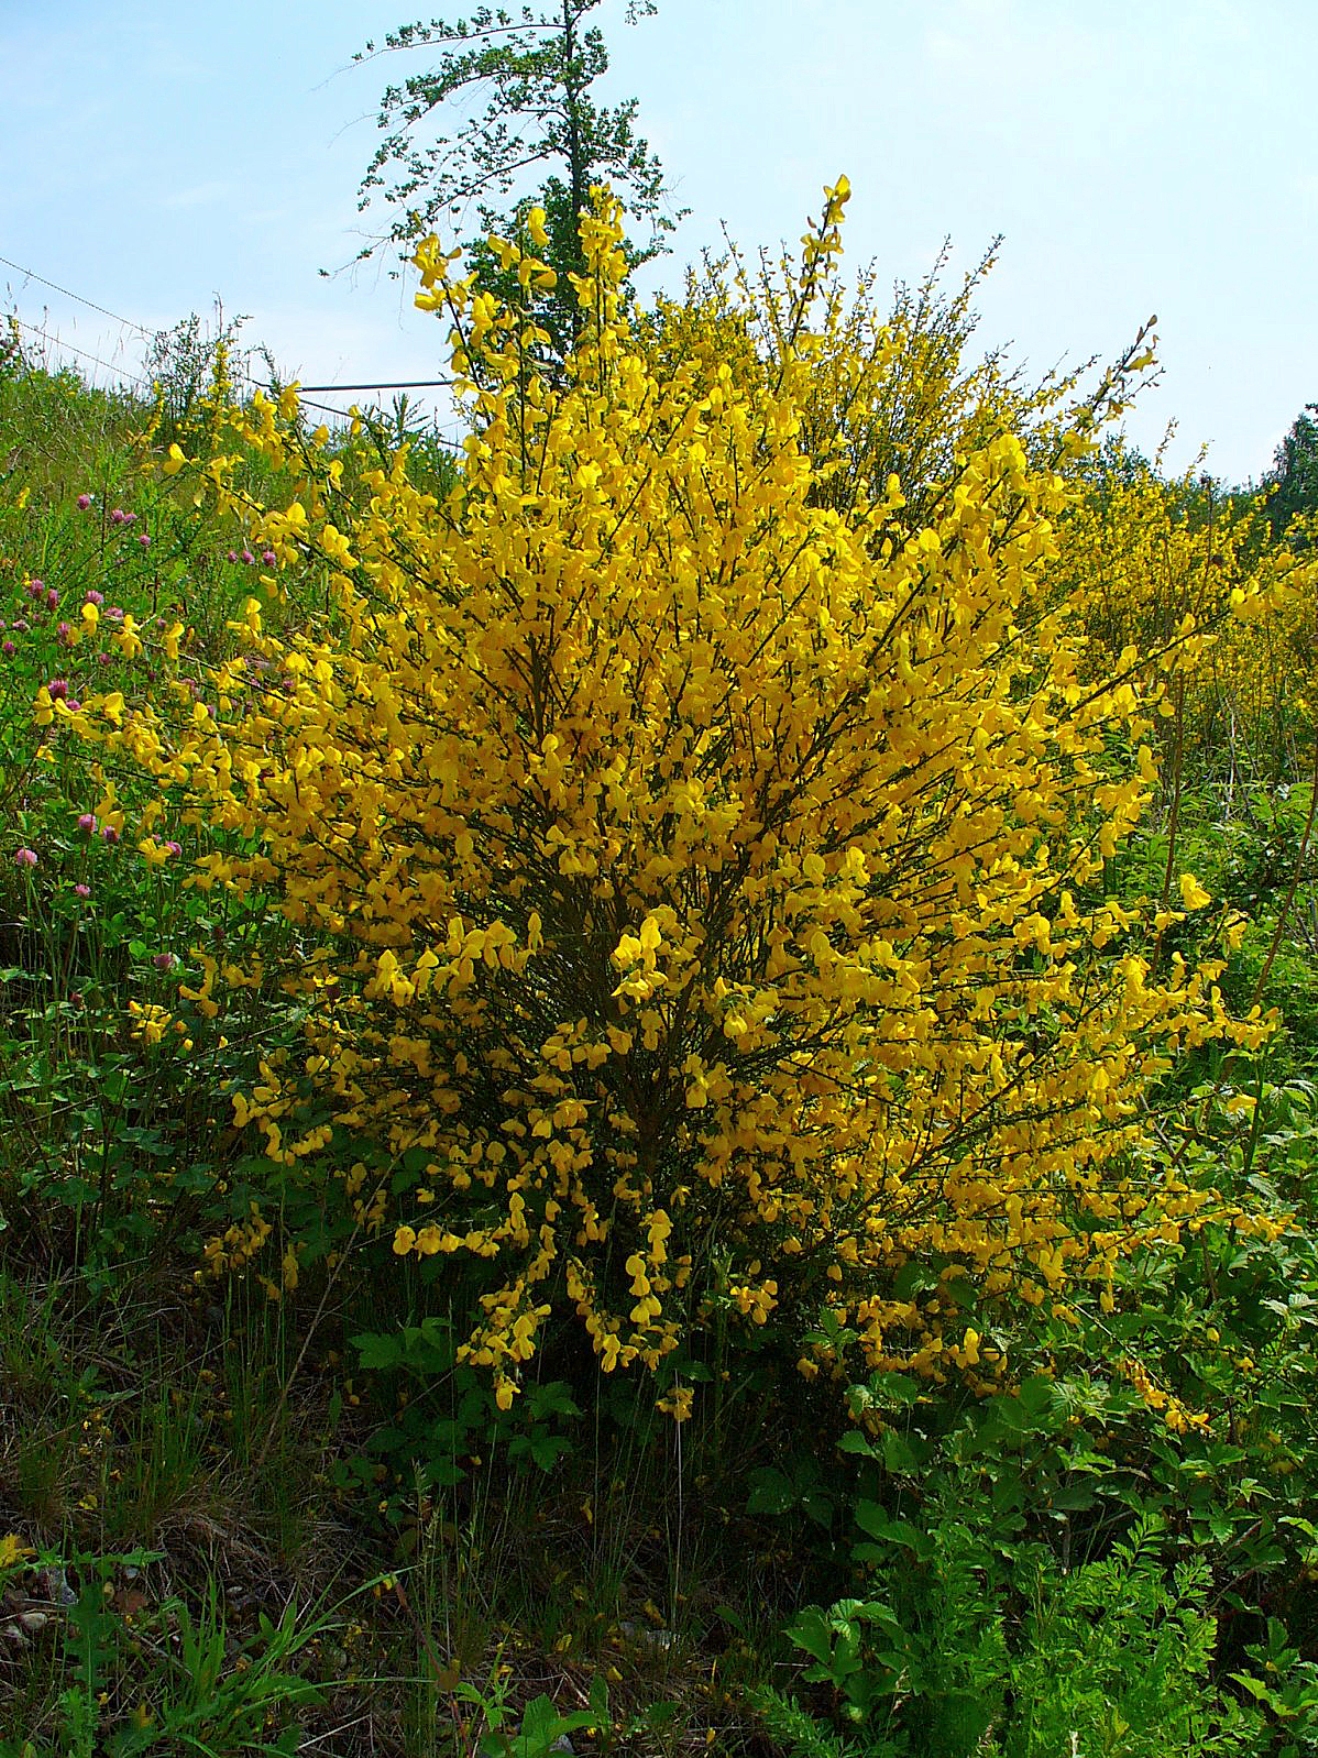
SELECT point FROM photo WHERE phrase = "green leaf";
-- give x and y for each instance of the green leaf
(1037, 1395)
(552, 1399)
(548, 1449)
(914, 1277)
(378, 1350)
(771, 1492)
(812, 1631)
(899, 1455)
(1073, 1497)
(853, 1441)
(872, 1518)
(542, 1725)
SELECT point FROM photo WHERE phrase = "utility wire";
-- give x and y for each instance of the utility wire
(402, 384)
(346, 415)
(411, 384)
(32, 275)
(55, 342)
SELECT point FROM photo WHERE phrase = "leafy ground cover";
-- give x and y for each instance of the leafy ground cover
(309, 1440)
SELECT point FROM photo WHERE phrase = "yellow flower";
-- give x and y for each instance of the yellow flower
(1193, 894)
(13, 1551)
(676, 1403)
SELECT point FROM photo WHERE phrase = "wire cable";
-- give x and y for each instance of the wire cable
(129, 378)
(346, 415)
(91, 305)
(55, 342)
(304, 391)
(402, 384)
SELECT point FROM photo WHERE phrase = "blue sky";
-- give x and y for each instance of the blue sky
(1137, 155)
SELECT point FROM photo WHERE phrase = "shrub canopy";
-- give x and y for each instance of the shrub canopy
(699, 874)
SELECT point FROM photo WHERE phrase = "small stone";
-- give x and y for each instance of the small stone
(54, 1586)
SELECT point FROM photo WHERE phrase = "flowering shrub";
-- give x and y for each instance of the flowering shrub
(1155, 562)
(698, 878)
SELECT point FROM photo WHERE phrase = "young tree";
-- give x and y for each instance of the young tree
(540, 116)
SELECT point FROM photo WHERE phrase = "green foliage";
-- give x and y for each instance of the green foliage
(1286, 1685)
(1293, 478)
(1059, 1561)
(113, 1124)
(542, 1728)
(200, 1693)
(540, 114)
(447, 1413)
(190, 366)
(1118, 1653)
(987, 1644)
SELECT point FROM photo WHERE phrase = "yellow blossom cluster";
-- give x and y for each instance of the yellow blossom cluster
(1185, 578)
(1174, 1413)
(151, 1023)
(698, 872)
(238, 1246)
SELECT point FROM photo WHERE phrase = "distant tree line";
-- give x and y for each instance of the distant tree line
(1293, 478)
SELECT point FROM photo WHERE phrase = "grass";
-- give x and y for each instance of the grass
(155, 1451)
